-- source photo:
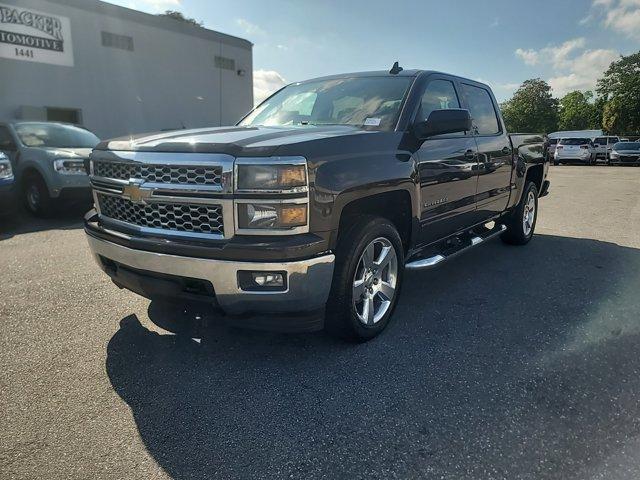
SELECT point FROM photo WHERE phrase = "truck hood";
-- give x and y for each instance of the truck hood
(236, 141)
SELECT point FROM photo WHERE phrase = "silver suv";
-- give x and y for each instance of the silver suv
(48, 160)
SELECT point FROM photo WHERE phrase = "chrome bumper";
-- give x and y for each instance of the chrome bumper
(309, 281)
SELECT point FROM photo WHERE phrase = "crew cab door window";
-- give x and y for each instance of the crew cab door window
(483, 113)
(439, 95)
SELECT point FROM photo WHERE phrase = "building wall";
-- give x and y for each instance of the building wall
(168, 81)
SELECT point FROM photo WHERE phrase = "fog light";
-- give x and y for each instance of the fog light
(262, 281)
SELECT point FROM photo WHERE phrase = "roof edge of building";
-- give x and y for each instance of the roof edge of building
(104, 8)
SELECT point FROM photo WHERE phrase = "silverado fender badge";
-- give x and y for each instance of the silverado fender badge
(435, 202)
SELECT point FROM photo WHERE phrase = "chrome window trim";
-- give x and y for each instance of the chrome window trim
(265, 231)
(271, 161)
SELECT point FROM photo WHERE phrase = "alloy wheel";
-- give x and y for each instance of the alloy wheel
(375, 281)
(529, 214)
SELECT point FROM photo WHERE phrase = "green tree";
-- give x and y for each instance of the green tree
(180, 17)
(576, 111)
(532, 108)
(620, 88)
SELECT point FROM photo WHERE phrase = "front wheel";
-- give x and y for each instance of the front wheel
(36, 196)
(521, 223)
(367, 278)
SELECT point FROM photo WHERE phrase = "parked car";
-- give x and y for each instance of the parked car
(625, 153)
(7, 185)
(602, 147)
(48, 160)
(571, 150)
(307, 212)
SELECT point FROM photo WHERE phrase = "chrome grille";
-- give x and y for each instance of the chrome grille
(172, 174)
(177, 217)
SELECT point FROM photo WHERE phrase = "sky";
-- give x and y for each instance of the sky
(568, 43)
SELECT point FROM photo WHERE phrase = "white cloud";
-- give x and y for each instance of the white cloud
(530, 56)
(248, 27)
(574, 67)
(621, 16)
(583, 71)
(556, 55)
(265, 82)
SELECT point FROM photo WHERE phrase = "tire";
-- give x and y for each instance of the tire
(517, 232)
(36, 196)
(345, 317)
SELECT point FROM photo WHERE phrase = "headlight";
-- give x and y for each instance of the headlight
(271, 216)
(6, 171)
(614, 154)
(69, 166)
(272, 177)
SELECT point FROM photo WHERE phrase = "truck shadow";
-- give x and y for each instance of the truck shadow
(506, 362)
(66, 217)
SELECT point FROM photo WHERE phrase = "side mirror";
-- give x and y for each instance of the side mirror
(443, 121)
(596, 145)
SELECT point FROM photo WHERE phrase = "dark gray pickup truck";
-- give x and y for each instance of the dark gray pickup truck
(307, 213)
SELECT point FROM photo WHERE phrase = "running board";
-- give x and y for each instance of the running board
(431, 262)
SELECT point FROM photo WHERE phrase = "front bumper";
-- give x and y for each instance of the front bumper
(69, 186)
(307, 289)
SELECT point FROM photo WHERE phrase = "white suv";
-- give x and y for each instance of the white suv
(574, 150)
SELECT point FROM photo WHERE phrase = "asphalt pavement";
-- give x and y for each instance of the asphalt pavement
(505, 363)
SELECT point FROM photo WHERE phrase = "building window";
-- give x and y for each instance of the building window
(225, 63)
(69, 115)
(117, 41)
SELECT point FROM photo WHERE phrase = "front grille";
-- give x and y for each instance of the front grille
(629, 158)
(173, 174)
(177, 217)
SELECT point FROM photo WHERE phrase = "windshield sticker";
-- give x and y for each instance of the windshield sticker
(372, 122)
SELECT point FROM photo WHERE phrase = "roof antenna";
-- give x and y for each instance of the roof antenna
(396, 69)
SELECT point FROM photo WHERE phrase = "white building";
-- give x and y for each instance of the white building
(116, 70)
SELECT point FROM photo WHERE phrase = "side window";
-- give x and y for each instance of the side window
(439, 95)
(6, 141)
(482, 110)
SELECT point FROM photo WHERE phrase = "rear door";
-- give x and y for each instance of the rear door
(494, 152)
(447, 167)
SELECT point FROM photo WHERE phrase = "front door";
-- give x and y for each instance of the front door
(495, 161)
(447, 167)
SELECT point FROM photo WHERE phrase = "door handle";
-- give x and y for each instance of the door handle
(506, 150)
(470, 154)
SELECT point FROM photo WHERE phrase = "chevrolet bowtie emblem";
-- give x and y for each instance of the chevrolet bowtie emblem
(136, 194)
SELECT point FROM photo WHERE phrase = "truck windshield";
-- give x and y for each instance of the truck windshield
(372, 102)
(55, 135)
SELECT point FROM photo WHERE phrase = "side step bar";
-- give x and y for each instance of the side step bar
(431, 262)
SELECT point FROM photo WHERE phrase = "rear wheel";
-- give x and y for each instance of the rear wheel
(36, 195)
(367, 278)
(521, 223)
